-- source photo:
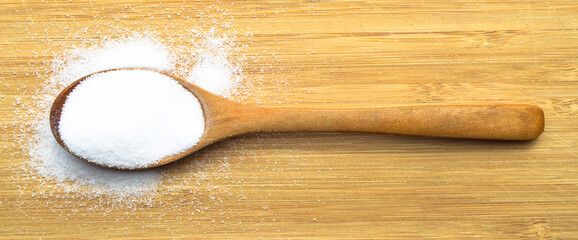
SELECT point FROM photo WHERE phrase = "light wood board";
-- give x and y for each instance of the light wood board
(322, 185)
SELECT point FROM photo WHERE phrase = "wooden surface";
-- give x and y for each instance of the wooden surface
(323, 185)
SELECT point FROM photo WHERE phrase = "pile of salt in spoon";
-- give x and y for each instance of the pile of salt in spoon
(130, 118)
(51, 164)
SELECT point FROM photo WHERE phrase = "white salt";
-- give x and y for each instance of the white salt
(213, 74)
(130, 119)
(56, 167)
(213, 71)
(54, 164)
(135, 51)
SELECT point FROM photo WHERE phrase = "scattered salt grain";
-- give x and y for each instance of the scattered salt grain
(131, 52)
(214, 74)
(130, 119)
(213, 71)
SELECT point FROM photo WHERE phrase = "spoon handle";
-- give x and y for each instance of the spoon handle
(494, 122)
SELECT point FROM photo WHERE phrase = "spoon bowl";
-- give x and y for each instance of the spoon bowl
(225, 118)
(214, 129)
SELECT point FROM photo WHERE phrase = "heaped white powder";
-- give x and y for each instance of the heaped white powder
(49, 160)
(130, 118)
(53, 164)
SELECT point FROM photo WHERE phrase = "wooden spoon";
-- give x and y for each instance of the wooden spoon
(225, 118)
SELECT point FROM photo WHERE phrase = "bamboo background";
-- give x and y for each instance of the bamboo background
(323, 185)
